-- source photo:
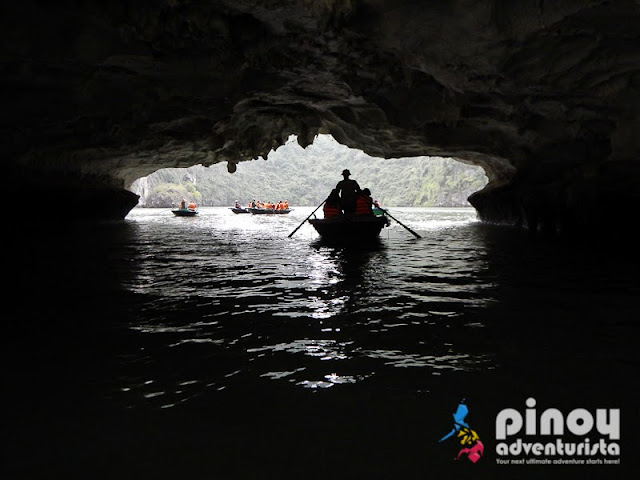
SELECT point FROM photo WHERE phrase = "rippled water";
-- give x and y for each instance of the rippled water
(294, 311)
(219, 345)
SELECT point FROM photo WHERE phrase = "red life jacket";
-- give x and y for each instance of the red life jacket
(363, 205)
(330, 210)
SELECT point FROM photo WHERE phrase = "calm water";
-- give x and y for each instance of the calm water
(217, 347)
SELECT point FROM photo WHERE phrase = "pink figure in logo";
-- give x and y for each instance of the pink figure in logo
(474, 453)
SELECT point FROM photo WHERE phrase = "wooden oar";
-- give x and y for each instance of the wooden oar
(387, 212)
(291, 234)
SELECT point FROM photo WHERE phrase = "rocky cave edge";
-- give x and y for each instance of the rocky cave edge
(543, 95)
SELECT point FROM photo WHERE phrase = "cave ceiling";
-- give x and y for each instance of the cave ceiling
(543, 95)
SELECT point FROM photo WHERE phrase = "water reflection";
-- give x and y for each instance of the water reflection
(222, 301)
(344, 278)
(230, 308)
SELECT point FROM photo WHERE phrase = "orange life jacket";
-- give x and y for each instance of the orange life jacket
(192, 206)
(330, 210)
(363, 205)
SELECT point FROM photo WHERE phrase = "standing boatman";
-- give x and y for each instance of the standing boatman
(348, 190)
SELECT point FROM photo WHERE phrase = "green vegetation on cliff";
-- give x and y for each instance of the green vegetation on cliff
(306, 176)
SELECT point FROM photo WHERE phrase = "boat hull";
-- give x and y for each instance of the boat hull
(184, 212)
(268, 211)
(239, 210)
(345, 228)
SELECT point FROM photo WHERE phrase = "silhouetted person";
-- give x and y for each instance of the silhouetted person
(348, 190)
(364, 203)
(183, 204)
(332, 205)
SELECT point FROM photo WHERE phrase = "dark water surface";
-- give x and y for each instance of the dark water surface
(216, 347)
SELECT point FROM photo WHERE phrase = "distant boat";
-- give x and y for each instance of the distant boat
(350, 227)
(269, 211)
(239, 210)
(184, 212)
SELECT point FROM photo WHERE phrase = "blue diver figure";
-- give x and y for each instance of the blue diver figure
(458, 420)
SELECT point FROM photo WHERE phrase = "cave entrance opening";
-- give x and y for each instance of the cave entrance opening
(305, 176)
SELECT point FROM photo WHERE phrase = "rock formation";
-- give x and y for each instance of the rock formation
(543, 95)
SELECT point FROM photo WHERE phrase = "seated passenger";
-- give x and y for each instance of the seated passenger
(364, 203)
(332, 205)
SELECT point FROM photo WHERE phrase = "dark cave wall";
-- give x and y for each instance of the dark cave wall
(543, 95)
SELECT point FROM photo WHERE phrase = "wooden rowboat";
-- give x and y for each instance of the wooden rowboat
(269, 211)
(184, 212)
(350, 227)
